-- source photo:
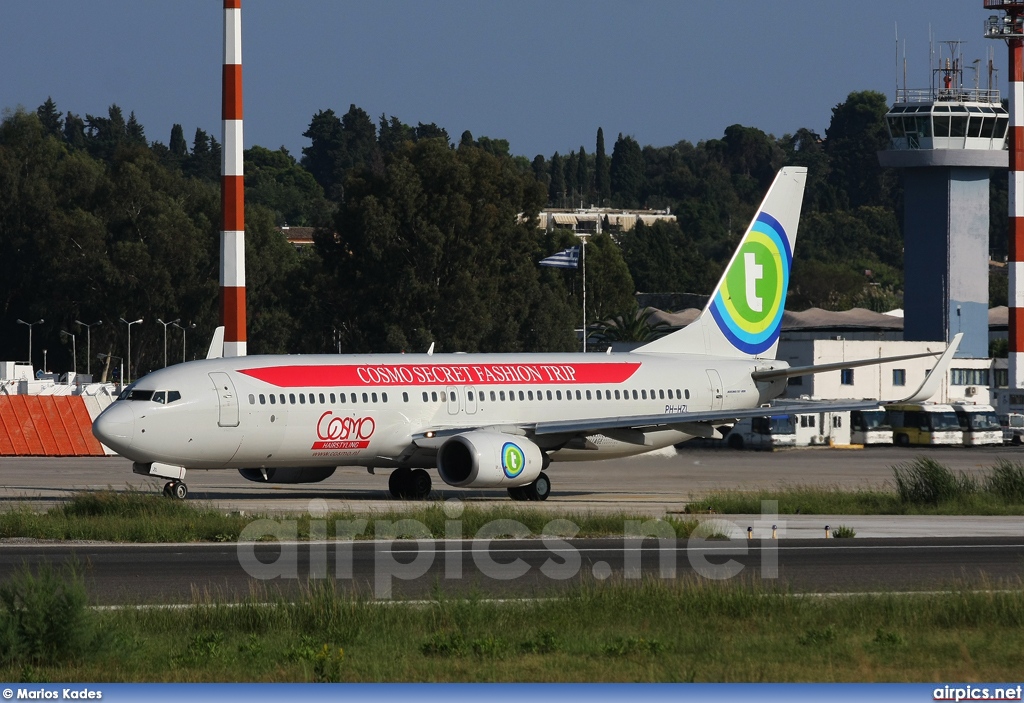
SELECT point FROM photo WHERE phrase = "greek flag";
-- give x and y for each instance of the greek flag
(565, 259)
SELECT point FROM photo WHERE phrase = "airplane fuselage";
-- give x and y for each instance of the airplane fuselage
(328, 410)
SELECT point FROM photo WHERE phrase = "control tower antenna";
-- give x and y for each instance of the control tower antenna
(1010, 27)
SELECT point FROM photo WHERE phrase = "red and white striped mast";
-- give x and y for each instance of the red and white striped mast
(232, 236)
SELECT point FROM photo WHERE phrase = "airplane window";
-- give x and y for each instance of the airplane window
(493, 397)
(521, 396)
(322, 399)
(291, 398)
(405, 397)
(529, 394)
(652, 394)
(634, 394)
(373, 397)
(433, 396)
(352, 398)
(252, 398)
(302, 398)
(452, 396)
(501, 395)
(282, 399)
(643, 394)
(159, 397)
(365, 399)
(333, 399)
(549, 395)
(263, 399)
(687, 393)
(599, 394)
(173, 396)
(511, 395)
(273, 399)
(469, 395)
(139, 395)
(616, 395)
(661, 394)
(558, 395)
(578, 396)
(425, 397)
(588, 395)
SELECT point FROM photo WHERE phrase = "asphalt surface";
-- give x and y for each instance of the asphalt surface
(648, 485)
(179, 574)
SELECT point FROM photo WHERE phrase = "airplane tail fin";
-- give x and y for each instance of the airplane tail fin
(744, 315)
(216, 350)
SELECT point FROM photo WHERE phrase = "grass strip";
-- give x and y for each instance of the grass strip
(655, 630)
(140, 517)
(920, 487)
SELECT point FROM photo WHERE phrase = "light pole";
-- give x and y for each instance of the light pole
(133, 322)
(172, 322)
(30, 325)
(74, 351)
(120, 364)
(189, 326)
(44, 362)
(88, 343)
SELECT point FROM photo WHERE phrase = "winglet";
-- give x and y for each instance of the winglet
(216, 350)
(931, 382)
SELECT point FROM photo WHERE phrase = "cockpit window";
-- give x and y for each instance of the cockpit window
(137, 394)
(173, 396)
(160, 397)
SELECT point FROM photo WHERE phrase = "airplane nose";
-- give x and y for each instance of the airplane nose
(115, 426)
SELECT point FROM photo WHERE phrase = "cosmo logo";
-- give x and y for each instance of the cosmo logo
(336, 432)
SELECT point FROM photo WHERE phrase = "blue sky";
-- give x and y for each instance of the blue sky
(543, 74)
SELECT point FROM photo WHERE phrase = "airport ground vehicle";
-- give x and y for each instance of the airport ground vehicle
(979, 424)
(762, 433)
(1013, 428)
(869, 427)
(927, 424)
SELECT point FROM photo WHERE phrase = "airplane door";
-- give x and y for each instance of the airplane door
(717, 397)
(452, 394)
(471, 398)
(226, 398)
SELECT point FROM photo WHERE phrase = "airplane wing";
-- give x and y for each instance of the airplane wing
(698, 423)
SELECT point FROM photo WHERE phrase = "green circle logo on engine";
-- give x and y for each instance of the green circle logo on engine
(513, 461)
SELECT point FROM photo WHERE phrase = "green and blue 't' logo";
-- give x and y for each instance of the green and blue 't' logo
(512, 460)
(749, 304)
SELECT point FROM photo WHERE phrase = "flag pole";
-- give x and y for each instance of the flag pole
(583, 257)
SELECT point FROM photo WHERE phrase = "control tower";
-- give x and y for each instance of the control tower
(946, 139)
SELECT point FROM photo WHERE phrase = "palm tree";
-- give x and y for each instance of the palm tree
(633, 325)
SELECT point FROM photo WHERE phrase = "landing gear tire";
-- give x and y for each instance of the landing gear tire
(517, 493)
(410, 484)
(176, 489)
(397, 482)
(419, 484)
(540, 489)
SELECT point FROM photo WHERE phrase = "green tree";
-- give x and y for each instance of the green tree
(627, 172)
(853, 139)
(609, 286)
(557, 187)
(50, 118)
(602, 179)
(275, 180)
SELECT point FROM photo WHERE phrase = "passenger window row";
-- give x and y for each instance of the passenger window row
(443, 396)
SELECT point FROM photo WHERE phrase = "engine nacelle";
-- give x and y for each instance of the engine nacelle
(302, 474)
(482, 459)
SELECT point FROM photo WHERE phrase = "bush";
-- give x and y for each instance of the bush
(844, 532)
(44, 617)
(1007, 481)
(927, 482)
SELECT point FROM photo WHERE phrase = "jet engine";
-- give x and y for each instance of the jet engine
(482, 459)
(302, 474)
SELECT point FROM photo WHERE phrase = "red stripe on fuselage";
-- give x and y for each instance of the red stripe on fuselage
(442, 374)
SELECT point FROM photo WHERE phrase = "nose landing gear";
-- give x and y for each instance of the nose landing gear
(176, 489)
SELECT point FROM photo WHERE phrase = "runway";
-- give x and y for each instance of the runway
(178, 573)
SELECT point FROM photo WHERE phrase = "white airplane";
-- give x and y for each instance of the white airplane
(484, 420)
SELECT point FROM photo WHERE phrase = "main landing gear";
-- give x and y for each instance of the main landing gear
(540, 489)
(410, 484)
(176, 489)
